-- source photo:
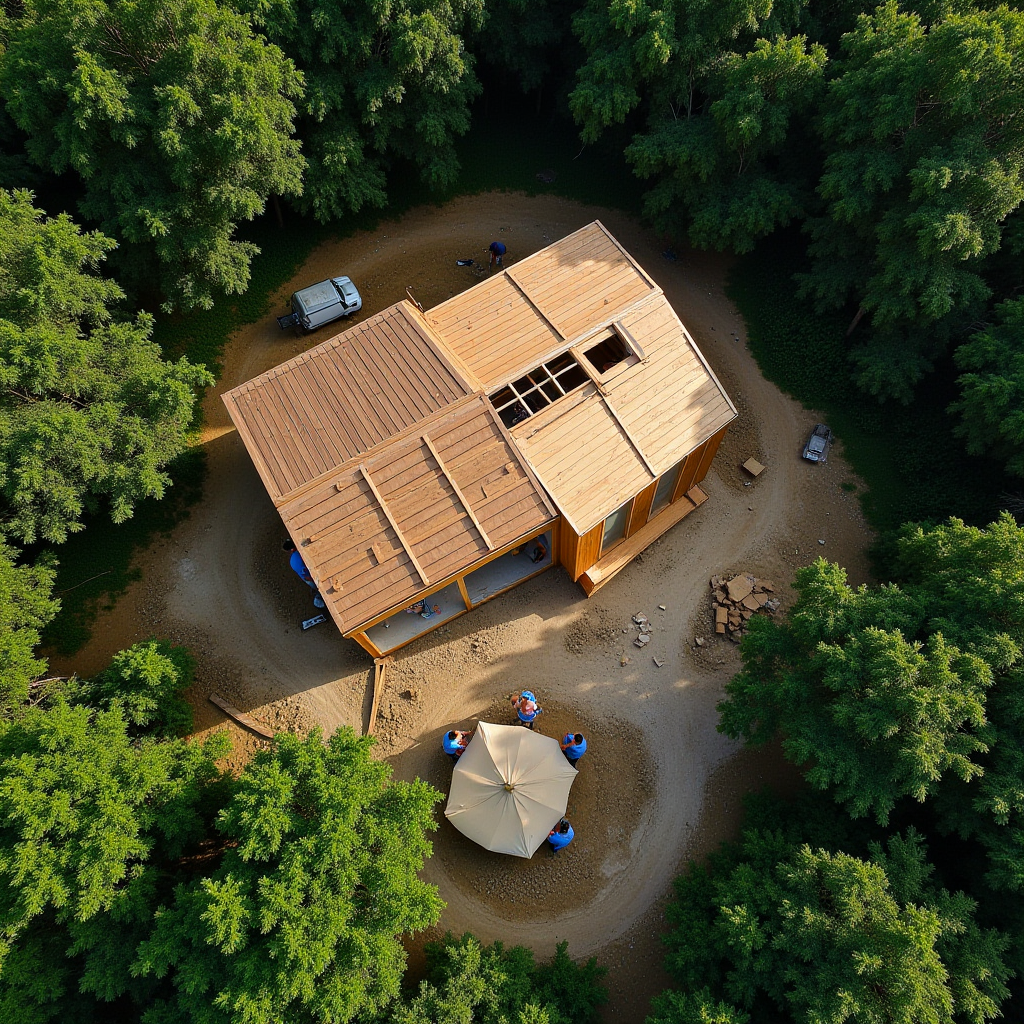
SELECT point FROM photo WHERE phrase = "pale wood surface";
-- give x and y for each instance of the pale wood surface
(241, 717)
(380, 671)
(339, 521)
(343, 398)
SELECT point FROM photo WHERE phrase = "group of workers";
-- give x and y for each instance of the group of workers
(573, 744)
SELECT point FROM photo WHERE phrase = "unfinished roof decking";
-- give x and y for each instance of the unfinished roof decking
(512, 322)
(343, 398)
(583, 458)
(494, 330)
(384, 527)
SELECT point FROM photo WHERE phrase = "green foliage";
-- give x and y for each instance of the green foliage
(26, 606)
(924, 151)
(865, 691)
(82, 805)
(381, 80)
(913, 466)
(89, 410)
(300, 918)
(145, 684)
(713, 170)
(494, 985)
(817, 934)
(991, 406)
(176, 117)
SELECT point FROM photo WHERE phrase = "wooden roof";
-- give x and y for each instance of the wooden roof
(343, 398)
(517, 319)
(382, 528)
(583, 457)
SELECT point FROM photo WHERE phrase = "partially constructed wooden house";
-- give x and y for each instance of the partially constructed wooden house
(556, 413)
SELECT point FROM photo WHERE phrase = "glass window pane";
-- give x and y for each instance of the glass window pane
(663, 492)
(615, 526)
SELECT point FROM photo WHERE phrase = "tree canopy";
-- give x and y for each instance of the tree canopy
(90, 411)
(774, 927)
(176, 117)
(382, 80)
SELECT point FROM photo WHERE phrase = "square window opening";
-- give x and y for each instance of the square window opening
(607, 353)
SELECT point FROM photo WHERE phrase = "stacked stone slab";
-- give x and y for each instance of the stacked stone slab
(735, 600)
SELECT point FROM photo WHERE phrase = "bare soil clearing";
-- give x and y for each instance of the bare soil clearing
(659, 786)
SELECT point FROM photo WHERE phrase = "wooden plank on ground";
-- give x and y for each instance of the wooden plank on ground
(380, 668)
(241, 717)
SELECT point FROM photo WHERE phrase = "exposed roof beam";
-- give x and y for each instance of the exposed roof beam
(458, 492)
(394, 525)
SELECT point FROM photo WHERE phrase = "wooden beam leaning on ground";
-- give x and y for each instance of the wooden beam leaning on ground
(380, 667)
(394, 525)
(241, 717)
(458, 492)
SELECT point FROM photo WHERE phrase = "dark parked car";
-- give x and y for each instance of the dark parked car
(816, 449)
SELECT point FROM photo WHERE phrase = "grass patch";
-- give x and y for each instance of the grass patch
(94, 565)
(913, 466)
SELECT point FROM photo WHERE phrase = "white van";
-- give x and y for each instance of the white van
(321, 303)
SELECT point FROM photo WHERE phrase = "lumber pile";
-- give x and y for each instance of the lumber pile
(735, 600)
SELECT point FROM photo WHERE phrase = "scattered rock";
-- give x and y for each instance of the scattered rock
(624, 660)
(662, 607)
(411, 694)
(699, 641)
(821, 542)
(736, 600)
(658, 662)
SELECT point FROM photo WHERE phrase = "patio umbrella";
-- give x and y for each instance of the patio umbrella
(509, 788)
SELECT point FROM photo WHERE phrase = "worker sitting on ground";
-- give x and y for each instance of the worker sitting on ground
(560, 836)
(454, 743)
(574, 746)
(299, 567)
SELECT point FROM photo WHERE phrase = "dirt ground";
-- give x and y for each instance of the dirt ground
(659, 786)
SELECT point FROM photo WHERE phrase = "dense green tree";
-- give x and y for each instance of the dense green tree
(178, 120)
(715, 172)
(820, 935)
(991, 406)
(89, 410)
(26, 606)
(924, 140)
(82, 805)
(497, 985)
(301, 917)
(146, 683)
(382, 80)
(878, 706)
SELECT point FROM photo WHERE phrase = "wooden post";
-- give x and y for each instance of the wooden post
(380, 667)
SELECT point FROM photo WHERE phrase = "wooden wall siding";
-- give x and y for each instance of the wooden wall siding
(581, 281)
(346, 538)
(578, 553)
(670, 403)
(641, 510)
(582, 457)
(343, 398)
(494, 330)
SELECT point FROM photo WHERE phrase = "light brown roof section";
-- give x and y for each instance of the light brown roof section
(494, 330)
(582, 280)
(671, 402)
(349, 540)
(583, 457)
(343, 398)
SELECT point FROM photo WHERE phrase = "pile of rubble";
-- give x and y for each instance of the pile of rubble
(735, 600)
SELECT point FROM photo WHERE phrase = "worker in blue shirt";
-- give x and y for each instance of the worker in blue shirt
(526, 707)
(574, 746)
(497, 251)
(454, 743)
(299, 567)
(560, 836)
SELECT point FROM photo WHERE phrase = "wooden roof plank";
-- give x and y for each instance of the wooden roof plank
(394, 525)
(458, 491)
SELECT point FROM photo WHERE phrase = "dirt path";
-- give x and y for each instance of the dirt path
(661, 785)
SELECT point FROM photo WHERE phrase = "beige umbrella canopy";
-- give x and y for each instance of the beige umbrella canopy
(509, 788)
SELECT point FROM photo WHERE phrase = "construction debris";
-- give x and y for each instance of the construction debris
(753, 467)
(735, 600)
